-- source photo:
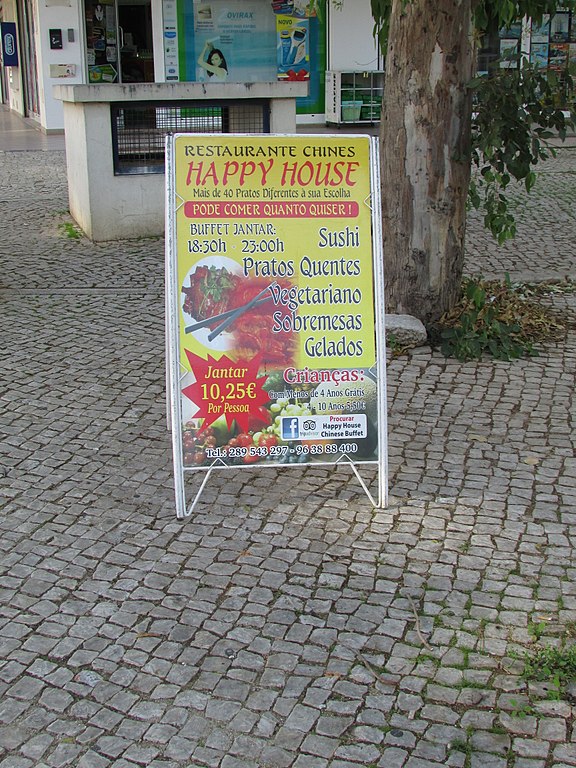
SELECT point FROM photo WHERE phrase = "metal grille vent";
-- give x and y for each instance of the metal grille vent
(139, 129)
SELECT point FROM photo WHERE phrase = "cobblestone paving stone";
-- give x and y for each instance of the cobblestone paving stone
(287, 624)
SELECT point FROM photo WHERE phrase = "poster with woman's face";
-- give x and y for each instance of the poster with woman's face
(234, 40)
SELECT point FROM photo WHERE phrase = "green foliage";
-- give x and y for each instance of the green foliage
(481, 330)
(464, 746)
(495, 318)
(556, 666)
(381, 14)
(68, 229)
(503, 12)
(516, 114)
(459, 745)
(487, 14)
(517, 110)
(395, 346)
(521, 709)
(536, 630)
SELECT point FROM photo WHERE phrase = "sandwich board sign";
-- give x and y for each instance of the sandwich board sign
(275, 335)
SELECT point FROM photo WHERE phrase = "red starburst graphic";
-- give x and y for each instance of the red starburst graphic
(227, 388)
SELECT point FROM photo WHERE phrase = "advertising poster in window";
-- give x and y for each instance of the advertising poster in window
(560, 28)
(541, 31)
(9, 43)
(274, 329)
(101, 41)
(301, 48)
(239, 41)
(293, 55)
(539, 54)
(558, 57)
(228, 41)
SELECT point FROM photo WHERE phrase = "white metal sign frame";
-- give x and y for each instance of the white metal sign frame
(179, 367)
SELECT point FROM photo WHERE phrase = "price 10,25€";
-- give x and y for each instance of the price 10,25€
(230, 390)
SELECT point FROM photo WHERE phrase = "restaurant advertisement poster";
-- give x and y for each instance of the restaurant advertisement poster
(275, 338)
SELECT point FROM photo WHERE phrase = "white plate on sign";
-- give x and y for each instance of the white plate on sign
(222, 342)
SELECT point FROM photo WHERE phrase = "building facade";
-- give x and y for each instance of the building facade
(55, 42)
(132, 41)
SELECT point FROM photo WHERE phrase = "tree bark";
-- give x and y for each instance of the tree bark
(425, 154)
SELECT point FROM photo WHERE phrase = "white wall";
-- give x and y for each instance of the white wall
(109, 207)
(351, 45)
(158, 41)
(64, 18)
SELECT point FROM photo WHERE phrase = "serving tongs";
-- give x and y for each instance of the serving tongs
(225, 319)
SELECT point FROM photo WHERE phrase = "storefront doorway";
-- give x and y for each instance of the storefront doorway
(29, 63)
(135, 26)
(119, 41)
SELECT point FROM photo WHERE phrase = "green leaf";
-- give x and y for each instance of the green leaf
(530, 180)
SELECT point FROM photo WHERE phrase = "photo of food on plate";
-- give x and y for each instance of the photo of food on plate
(226, 311)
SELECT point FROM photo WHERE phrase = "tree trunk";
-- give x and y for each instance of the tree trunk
(425, 154)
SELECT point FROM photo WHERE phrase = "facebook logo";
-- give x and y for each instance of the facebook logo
(290, 429)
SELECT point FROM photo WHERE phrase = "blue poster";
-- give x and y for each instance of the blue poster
(9, 45)
(293, 54)
(229, 41)
(240, 41)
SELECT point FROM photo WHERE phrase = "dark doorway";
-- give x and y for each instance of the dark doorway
(136, 56)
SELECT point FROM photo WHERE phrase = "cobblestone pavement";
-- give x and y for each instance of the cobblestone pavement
(287, 624)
